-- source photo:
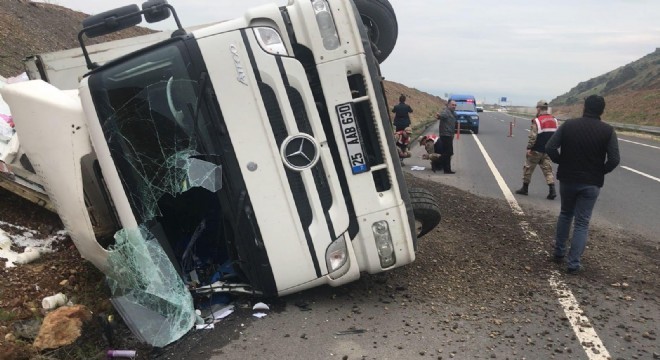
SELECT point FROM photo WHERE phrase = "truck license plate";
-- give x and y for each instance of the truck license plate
(351, 136)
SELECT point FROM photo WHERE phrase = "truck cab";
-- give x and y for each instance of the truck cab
(254, 155)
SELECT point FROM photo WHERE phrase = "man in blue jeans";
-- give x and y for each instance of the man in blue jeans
(589, 150)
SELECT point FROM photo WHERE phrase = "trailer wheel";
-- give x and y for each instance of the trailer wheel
(380, 20)
(426, 210)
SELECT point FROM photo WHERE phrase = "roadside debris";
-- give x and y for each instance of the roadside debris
(53, 301)
(351, 331)
(62, 327)
(115, 354)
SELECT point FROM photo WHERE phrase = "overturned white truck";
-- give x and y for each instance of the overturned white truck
(254, 155)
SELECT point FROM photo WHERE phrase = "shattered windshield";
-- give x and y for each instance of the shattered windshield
(164, 151)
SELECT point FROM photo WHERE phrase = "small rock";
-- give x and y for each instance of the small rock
(64, 282)
(10, 337)
(26, 329)
(647, 335)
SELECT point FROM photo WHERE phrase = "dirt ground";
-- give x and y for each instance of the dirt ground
(477, 236)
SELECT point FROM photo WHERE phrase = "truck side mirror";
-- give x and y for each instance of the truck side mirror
(112, 20)
(154, 11)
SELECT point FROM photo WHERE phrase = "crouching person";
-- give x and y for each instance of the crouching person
(433, 147)
(402, 139)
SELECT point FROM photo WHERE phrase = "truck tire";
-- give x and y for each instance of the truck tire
(426, 210)
(380, 20)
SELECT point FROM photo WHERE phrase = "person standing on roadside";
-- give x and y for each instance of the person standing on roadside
(402, 114)
(586, 149)
(447, 129)
(543, 126)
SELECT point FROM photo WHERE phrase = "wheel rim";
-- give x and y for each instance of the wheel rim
(418, 227)
(372, 29)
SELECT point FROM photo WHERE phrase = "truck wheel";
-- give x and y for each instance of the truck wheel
(426, 210)
(380, 20)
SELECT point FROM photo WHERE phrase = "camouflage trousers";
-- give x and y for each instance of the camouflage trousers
(543, 161)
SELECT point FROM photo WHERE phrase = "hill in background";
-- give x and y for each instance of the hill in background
(632, 93)
(29, 28)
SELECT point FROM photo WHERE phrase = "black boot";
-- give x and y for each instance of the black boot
(523, 190)
(447, 165)
(552, 194)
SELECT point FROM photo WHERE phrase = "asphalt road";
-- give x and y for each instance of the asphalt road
(630, 198)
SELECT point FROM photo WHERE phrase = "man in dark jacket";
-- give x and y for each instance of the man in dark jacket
(446, 131)
(589, 150)
(401, 117)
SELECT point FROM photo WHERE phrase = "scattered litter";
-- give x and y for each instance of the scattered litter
(351, 331)
(417, 168)
(24, 238)
(29, 255)
(222, 312)
(114, 354)
(260, 306)
(259, 315)
(53, 301)
(204, 326)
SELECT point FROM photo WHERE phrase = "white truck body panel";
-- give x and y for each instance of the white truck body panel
(52, 124)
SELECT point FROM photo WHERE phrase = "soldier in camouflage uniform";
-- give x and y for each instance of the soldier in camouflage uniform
(543, 127)
(402, 141)
(433, 148)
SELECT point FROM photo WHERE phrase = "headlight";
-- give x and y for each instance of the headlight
(270, 40)
(474, 117)
(326, 24)
(336, 255)
(384, 243)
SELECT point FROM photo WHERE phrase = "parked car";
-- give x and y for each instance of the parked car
(466, 112)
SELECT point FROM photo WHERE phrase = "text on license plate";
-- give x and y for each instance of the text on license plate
(351, 137)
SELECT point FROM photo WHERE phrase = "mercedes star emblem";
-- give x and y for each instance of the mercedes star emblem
(299, 152)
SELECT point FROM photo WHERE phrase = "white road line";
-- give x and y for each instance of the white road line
(638, 143)
(582, 328)
(641, 173)
(508, 195)
(591, 343)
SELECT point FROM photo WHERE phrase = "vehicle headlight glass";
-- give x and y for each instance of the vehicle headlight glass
(475, 117)
(270, 40)
(326, 24)
(384, 245)
(336, 255)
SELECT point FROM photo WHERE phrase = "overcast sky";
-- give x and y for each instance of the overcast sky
(520, 49)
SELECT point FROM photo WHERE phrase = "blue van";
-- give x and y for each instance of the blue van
(466, 112)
